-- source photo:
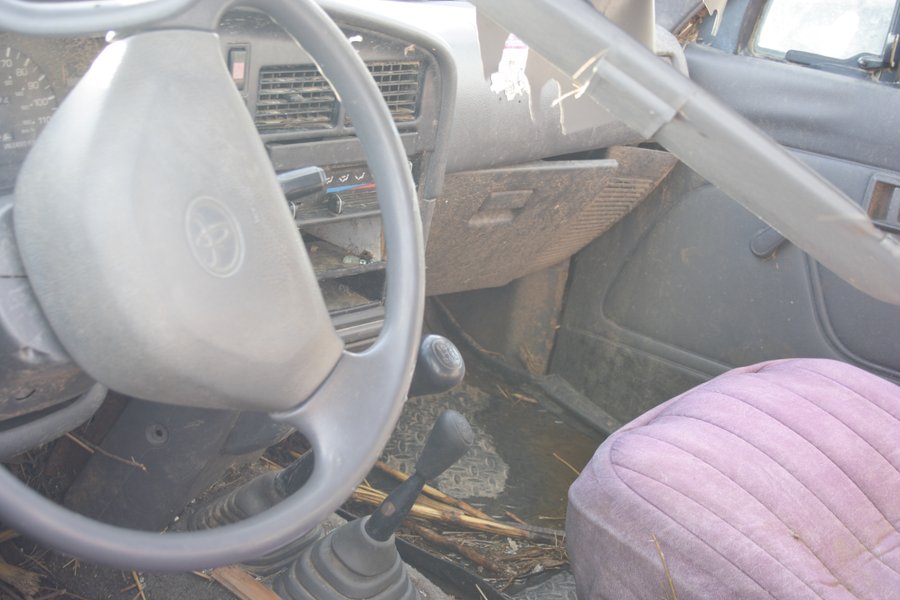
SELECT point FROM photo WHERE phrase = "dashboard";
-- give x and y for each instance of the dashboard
(301, 121)
(498, 176)
(505, 187)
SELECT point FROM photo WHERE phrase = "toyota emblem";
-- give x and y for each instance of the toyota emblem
(214, 237)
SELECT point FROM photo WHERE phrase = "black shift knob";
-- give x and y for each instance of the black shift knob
(439, 367)
(448, 440)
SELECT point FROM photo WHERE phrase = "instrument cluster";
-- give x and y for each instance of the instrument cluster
(35, 75)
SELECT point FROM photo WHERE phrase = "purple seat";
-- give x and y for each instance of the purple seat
(780, 480)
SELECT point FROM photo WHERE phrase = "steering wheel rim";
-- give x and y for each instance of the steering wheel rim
(338, 410)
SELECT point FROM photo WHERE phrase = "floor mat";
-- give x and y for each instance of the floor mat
(480, 473)
(524, 458)
(522, 463)
(560, 586)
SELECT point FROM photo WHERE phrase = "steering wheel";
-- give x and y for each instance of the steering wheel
(163, 254)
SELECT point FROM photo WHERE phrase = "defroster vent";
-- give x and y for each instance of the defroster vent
(298, 96)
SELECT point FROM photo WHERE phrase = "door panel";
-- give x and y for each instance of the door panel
(803, 108)
(673, 295)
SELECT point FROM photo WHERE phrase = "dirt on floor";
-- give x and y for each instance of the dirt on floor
(516, 476)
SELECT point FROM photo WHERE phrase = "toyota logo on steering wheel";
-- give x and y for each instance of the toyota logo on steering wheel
(214, 237)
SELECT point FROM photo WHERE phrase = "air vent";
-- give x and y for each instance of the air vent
(298, 97)
(294, 97)
(399, 84)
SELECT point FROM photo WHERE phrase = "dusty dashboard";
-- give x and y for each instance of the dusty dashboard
(302, 123)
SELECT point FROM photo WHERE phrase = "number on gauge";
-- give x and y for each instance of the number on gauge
(27, 102)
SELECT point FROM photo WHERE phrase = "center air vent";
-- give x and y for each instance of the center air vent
(399, 84)
(298, 96)
(294, 97)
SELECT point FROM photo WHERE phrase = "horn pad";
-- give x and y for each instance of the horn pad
(162, 250)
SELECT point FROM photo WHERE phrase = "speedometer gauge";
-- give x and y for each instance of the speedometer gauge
(27, 102)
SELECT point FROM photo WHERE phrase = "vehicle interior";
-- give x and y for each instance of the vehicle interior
(402, 299)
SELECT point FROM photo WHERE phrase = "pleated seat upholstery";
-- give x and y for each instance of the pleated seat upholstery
(780, 480)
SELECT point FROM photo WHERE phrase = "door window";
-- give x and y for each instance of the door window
(836, 29)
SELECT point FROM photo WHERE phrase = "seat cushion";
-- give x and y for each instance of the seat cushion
(780, 480)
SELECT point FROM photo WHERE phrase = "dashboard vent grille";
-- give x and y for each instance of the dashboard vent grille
(298, 96)
(294, 97)
(399, 84)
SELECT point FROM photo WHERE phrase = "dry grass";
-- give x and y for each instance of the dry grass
(669, 580)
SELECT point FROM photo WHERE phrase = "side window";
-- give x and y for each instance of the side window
(846, 34)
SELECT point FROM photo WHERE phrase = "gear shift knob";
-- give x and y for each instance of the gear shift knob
(439, 367)
(450, 438)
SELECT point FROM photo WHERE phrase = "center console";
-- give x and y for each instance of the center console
(304, 123)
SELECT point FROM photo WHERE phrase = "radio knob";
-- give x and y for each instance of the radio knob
(335, 203)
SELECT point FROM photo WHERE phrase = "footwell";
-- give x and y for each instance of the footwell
(519, 469)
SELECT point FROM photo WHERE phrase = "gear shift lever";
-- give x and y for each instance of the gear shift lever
(360, 559)
(450, 438)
